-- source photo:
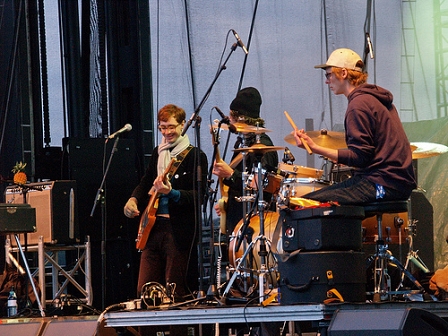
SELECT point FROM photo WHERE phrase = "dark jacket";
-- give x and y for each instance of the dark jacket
(182, 213)
(378, 147)
(234, 211)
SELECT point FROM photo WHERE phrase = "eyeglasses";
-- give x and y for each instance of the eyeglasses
(328, 75)
(169, 128)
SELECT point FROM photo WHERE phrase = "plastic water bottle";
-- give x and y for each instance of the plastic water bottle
(12, 303)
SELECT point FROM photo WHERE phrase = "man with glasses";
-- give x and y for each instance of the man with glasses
(377, 145)
(170, 254)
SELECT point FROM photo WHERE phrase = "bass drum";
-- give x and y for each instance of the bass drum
(270, 223)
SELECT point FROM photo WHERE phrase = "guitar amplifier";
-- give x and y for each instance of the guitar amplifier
(17, 218)
(56, 210)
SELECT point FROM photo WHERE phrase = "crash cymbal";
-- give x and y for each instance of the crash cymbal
(427, 149)
(259, 149)
(243, 128)
(324, 138)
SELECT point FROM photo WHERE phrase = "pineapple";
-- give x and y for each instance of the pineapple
(19, 173)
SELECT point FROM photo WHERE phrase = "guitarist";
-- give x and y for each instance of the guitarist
(170, 254)
(245, 108)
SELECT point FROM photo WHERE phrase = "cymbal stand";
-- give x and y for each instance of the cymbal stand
(261, 239)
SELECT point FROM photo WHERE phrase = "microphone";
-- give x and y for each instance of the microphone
(240, 43)
(225, 120)
(369, 43)
(125, 128)
(288, 156)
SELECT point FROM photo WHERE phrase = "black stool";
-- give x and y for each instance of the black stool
(382, 255)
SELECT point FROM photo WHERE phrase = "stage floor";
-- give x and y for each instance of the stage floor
(109, 323)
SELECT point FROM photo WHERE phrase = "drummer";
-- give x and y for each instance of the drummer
(377, 145)
(245, 108)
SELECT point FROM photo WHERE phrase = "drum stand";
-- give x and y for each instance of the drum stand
(382, 281)
(261, 240)
(412, 255)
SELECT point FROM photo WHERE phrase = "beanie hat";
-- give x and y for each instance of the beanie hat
(247, 102)
(343, 58)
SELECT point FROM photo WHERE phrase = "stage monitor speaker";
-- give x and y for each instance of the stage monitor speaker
(387, 322)
(56, 210)
(16, 328)
(71, 328)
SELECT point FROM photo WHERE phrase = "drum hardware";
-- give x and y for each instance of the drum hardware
(262, 241)
(412, 256)
(381, 259)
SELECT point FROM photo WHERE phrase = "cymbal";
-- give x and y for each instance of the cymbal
(427, 149)
(259, 149)
(243, 128)
(324, 138)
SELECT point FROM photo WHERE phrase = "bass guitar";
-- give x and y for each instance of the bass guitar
(149, 215)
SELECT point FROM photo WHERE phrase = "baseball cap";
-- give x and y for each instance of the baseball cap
(343, 58)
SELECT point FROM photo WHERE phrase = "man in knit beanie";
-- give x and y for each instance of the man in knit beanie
(245, 108)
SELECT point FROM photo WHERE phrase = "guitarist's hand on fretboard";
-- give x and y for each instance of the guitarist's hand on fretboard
(131, 209)
(161, 185)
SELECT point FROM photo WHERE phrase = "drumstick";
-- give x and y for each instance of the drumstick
(305, 144)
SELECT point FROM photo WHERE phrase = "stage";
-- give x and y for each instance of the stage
(320, 314)
(126, 322)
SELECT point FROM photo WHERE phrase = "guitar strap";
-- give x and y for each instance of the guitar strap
(180, 157)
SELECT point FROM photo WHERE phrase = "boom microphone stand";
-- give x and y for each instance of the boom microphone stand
(101, 196)
(195, 117)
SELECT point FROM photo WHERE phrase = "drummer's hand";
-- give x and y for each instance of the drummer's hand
(217, 209)
(299, 135)
(222, 169)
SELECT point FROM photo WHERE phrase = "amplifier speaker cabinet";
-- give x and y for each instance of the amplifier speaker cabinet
(56, 210)
(17, 218)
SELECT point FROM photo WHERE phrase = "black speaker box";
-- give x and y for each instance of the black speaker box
(387, 322)
(307, 276)
(326, 228)
(56, 210)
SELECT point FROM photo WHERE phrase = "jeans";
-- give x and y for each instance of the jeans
(355, 190)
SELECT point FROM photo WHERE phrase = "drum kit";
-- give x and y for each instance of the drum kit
(286, 184)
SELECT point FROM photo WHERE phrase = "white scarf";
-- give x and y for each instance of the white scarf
(165, 154)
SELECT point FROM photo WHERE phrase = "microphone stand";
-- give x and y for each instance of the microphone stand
(210, 198)
(101, 196)
(195, 117)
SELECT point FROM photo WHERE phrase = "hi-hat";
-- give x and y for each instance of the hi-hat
(427, 149)
(259, 149)
(324, 138)
(243, 128)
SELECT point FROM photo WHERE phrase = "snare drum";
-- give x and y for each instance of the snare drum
(300, 171)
